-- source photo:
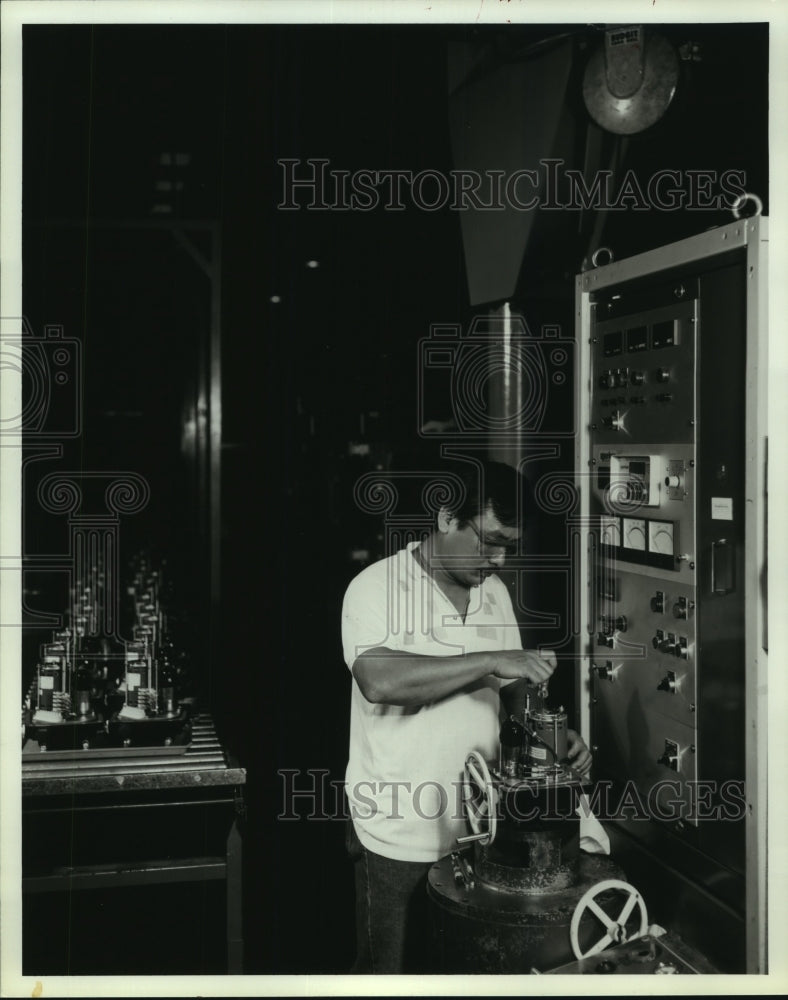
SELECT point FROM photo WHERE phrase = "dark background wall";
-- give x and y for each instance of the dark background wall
(334, 362)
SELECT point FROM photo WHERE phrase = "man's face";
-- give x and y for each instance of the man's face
(473, 551)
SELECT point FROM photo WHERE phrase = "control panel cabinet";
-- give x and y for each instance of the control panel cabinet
(671, 467)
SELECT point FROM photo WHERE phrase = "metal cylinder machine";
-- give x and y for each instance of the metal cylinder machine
(519, 895)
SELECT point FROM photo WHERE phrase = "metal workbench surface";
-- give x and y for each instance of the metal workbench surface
(204, 762)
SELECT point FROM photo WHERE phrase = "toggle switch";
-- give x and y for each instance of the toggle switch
(606, 672)
(658, 602)
(664, 643)
(668, 683)
(670, 755)
(682, 608)
(611, 624)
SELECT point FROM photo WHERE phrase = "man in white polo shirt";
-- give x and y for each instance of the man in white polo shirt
(431, 638)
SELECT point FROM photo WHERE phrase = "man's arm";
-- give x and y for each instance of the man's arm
(393, 677)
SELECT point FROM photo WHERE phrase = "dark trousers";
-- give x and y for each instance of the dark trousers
(393, 926)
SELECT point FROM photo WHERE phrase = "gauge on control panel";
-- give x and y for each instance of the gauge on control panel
(660, 537)
(634, 530)
(610, 530)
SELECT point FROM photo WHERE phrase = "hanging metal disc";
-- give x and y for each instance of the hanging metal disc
(631, 80)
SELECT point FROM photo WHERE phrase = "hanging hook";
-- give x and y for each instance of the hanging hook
(742, 200)
(600, 250)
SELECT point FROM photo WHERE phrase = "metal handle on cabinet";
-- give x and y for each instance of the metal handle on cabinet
(722, 569)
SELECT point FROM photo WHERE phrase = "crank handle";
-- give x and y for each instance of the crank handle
(472, 837)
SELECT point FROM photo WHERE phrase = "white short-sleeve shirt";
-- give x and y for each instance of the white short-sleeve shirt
(405, 765)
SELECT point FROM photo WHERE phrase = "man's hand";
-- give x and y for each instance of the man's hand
(579, 754)
(529, 664)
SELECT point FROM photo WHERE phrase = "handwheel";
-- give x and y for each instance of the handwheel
(616, 929)
(478, 785)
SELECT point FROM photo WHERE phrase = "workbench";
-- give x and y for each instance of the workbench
(142, 817)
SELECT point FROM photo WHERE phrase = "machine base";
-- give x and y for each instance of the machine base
(480, 928)
(646, 956)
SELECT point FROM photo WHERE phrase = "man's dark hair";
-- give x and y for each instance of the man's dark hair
(495, 485)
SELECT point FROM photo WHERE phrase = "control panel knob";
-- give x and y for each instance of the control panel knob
(605, 640)
(607, 380)
(606, 672)
(658, 603)
(668, 683)
(682, 608)
(622, 378)
(663, 374)
(610, 624)
(670, 756)
(681, 650)
(637, 378)
(673, 481)
(668, 643)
